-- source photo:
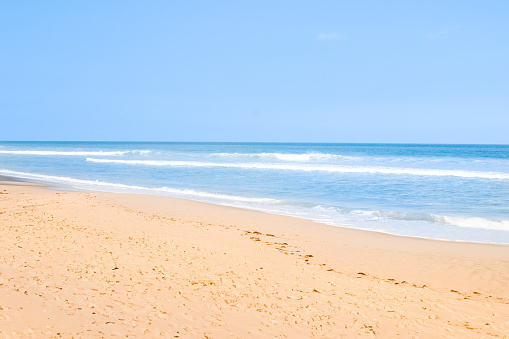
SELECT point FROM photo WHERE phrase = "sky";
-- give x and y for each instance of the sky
(255, 71)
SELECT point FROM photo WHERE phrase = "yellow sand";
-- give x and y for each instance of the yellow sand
(96, 264)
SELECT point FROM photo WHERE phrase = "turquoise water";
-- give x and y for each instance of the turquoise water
(451, 192)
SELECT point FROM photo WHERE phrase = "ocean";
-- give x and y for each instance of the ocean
(446, 192)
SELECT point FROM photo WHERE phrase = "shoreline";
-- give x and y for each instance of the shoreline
(69, 188)
(357, 236)
(326, 239)
(60, 249)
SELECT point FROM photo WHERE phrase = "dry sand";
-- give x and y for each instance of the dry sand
(95, 264)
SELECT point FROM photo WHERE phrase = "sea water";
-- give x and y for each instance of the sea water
(448, 192)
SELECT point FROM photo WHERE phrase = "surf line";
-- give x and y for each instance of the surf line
(314, 168)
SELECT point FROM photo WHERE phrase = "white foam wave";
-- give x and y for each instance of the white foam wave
(113, 187)
(476, 223)
(284, 156)
(139, 151)
(395, 215)
(315, 168)
(466, 222)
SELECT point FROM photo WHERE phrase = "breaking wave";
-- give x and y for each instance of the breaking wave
(465, 222)
(315, 168)
(112, 187)
(285, 156)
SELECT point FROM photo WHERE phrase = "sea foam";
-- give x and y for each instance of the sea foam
(285, 156)
(377, 215)
(315, 168)
(114, 187)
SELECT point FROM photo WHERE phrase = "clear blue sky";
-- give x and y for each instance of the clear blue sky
(308, 71)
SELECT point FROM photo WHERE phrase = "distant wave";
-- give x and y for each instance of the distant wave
(82, 153)
(285, 156)
(315, 168)
(97, 185)
(317, 157)
(137, 151)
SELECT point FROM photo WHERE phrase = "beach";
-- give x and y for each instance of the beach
(263, 169)
(82, 264)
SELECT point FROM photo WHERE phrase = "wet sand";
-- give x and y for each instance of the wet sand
(101, 264)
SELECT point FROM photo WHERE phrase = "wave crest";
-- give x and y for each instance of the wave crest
(315, 168)
(284, 156)
(465, 222)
